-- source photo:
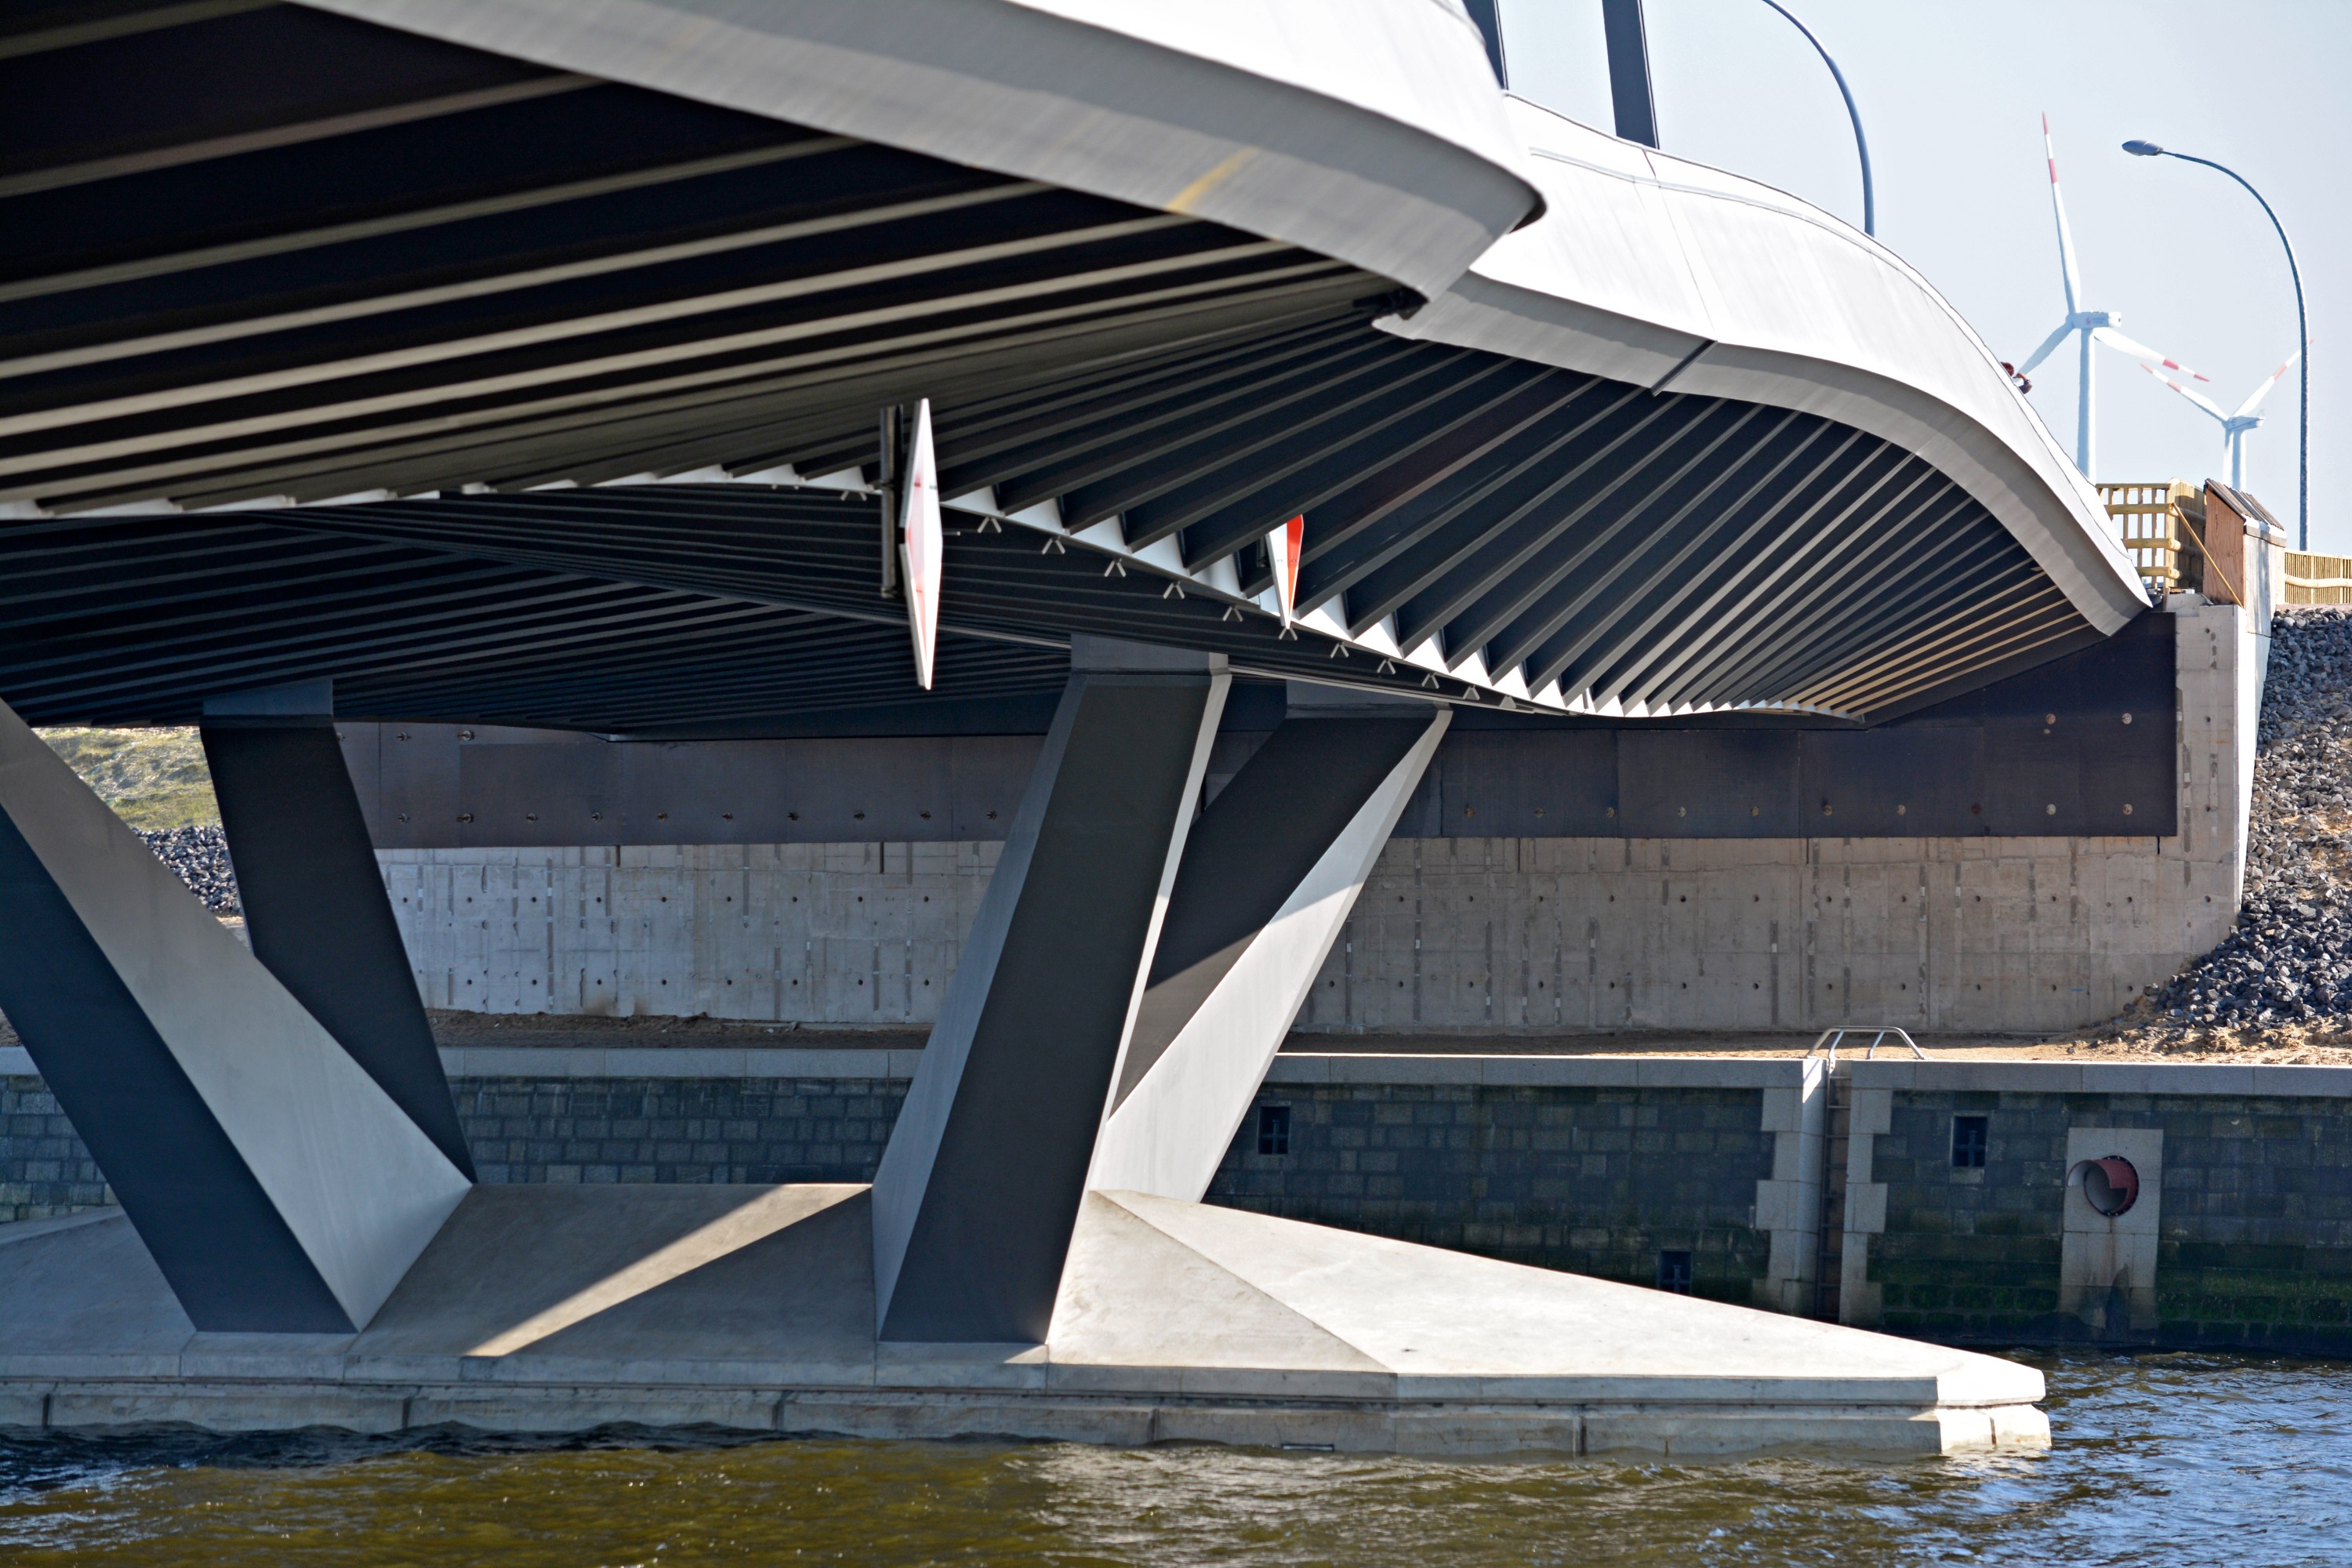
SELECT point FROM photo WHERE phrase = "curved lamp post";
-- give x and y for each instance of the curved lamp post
(2140, 149)
(1869, 202)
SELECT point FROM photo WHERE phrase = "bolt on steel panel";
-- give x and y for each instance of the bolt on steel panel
(1498, 784)
(1898, 782)
(1708, 784)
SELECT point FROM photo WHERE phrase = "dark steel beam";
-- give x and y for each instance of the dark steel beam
(1325, 467)
(1390, 394)
(1650, 487)
(1477, 557)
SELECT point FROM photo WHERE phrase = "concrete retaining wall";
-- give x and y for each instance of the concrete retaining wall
(1453, 933)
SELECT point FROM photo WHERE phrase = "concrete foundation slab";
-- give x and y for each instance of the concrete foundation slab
(557, 1308)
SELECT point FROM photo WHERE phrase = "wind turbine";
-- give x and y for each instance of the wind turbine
(2093, 325)
(2234, 425)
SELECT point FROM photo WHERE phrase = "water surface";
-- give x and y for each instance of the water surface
(2160, 1461)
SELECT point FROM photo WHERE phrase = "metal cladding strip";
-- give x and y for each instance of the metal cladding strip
(1674, 274)
(980, 1185)
(1371, 131)
(1677, 607)
(1812, 572)
(275, 254)
(1727, 594)
(1213, 1017)
(317, 912)
(1849, 612)
(138, 618)
(359, 1186)
(813, 549)
(1448, 537)
(653, 605)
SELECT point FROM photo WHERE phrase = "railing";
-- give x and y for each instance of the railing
(2318, 579)
(2154, 529)
(1827, 1044)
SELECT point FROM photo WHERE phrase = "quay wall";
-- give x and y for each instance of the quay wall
(1713, 1171)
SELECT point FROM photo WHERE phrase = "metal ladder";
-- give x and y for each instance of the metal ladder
(1829, 1260)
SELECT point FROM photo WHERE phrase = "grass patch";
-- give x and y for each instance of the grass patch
(152, 778)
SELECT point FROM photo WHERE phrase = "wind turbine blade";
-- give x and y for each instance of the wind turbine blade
(2048, 343)
(2254, 398)
(2065, 235)
(2139, 350)
(2199, 398)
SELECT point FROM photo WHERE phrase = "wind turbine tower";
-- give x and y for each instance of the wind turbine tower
(2092, 325)
(2234, 425)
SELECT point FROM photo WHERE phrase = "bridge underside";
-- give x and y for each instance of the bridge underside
(429, 283)
(351, 373)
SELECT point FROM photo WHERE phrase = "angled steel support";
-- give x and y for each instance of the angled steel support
(981, 1183)
(1269, 877)
(278, 1187)
(315, 909)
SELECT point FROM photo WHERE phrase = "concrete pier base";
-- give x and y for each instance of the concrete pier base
(559, 1308)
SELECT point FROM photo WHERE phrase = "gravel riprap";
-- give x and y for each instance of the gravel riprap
(2289, 959)
(200, 854)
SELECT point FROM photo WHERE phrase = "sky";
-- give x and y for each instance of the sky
(1952, 94)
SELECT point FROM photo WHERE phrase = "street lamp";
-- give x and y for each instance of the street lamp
(2140, 149)
(1869, 203)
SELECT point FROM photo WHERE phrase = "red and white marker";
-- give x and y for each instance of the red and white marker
(1282, 547)
(921, 546)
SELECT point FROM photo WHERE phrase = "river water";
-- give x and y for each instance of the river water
(2160, 1460)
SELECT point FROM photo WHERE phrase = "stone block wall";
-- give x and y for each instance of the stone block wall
(1588, 1163)
(590, 1130)
(45, 1170)
(2254, 1245)
(1592, 1180)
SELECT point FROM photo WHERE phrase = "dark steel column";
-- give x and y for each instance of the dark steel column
(978, 1190)
(1629, 71)
(1488, 15)
(276, 1187)
(227, 1253)
(316, 909)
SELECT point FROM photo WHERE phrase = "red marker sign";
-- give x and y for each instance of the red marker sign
(1282, 547)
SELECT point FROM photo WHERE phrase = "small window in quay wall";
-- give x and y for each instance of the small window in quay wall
(1675, 1272)
(1274, 1130)
(1968, 1143)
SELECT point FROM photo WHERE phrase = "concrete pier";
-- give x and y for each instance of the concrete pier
(557, 1309)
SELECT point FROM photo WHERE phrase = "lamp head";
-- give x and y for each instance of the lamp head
(2143, 149)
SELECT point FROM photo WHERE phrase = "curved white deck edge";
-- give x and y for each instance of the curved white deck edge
(1371, 131)
(1642, 259)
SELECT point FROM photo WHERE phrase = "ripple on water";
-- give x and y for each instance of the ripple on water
(2161, 1460)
